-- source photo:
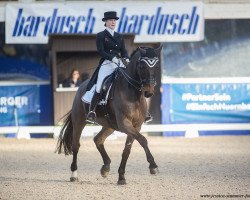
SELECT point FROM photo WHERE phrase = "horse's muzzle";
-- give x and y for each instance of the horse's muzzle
(149, 86)
(149, 90)
(148, 94)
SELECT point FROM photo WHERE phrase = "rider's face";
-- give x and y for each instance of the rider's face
(111, 23)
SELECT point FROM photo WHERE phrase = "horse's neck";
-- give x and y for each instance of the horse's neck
(131, 69)
(127, 87)
(128, 91)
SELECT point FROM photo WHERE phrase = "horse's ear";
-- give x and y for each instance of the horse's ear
(158, 50)
(142, 51)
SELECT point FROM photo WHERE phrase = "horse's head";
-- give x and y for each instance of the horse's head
(147, 66)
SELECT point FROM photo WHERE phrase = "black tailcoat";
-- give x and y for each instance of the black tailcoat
(108, 47)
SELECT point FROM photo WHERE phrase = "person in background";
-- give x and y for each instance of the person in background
(73, 80)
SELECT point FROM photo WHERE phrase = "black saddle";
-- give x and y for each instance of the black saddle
(107, 87)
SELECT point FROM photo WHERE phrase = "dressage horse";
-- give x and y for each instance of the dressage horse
(125, 112)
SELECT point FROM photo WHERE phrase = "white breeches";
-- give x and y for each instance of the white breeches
(106, 69)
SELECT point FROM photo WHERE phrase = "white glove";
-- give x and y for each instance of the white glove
(127, 60)
(115, 60)
(122, 65)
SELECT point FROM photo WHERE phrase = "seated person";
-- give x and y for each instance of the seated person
(73, 80)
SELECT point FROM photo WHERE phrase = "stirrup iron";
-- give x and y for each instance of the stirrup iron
(91, 116)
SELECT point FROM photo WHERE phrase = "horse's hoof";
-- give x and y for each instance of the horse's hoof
(73, 179)
(121, 182)
(105, 171)
(154, 170)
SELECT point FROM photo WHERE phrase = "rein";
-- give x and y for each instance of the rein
(136, 84)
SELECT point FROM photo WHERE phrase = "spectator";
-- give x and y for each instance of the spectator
(73, 80)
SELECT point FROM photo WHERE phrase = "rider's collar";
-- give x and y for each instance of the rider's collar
(112, 32)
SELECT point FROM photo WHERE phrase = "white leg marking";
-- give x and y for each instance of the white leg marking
(74, 174)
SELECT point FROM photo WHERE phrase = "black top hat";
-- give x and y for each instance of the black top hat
(110, 15)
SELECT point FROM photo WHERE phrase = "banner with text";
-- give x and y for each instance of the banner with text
(206, 103)
(150, 21)
(19, 105)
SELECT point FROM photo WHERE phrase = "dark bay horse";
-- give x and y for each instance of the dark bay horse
(126, 110)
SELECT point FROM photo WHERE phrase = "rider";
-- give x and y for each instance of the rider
(110, 46)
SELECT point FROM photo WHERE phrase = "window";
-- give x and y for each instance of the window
(224, 52)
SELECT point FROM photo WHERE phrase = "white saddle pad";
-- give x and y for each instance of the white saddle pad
(87, 97)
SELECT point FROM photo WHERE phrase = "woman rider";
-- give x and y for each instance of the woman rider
(110, 45)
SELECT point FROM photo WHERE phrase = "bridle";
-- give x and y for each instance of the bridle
(136, 84)
(150, 62)
(139, 85)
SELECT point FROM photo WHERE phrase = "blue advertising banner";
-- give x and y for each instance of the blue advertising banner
(21, 105)
(206, 103)
(155, 21)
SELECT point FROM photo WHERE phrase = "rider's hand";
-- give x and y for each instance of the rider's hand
(115, 60)
(127, 60)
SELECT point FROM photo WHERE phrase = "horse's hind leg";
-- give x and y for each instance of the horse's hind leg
(125, 155)
(77, 130)
(99, 140)
(78, 123)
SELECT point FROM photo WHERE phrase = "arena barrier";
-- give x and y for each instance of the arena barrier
(191, 130)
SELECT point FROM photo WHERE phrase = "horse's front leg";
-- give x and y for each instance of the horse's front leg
(125, 155)
(128, 128)
(144, 143)
(99, 140)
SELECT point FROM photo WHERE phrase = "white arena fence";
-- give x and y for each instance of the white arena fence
(191, 130)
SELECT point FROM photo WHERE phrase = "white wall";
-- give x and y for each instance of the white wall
(227, 11)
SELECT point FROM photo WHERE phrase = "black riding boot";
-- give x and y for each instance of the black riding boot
(148, 118)
(92, 115)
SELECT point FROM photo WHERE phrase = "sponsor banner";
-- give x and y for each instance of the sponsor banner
(206, 103)
(23, 105)
(150, 21)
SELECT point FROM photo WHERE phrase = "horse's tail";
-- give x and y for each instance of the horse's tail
(64, 143)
